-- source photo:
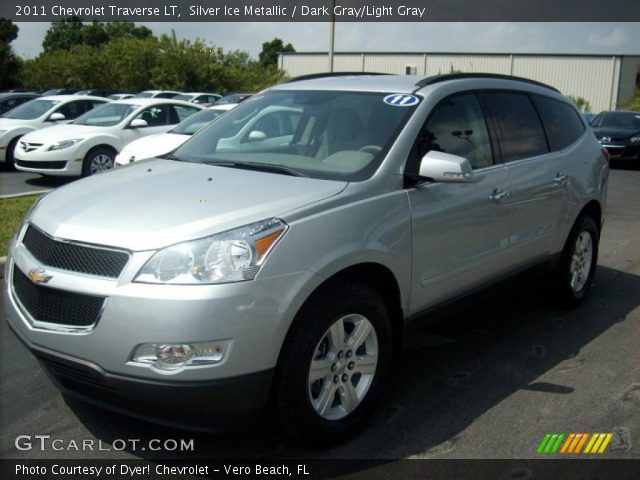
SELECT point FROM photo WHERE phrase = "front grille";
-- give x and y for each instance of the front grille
(51, 305)
(74, 257)
(57, 165)
(30, 146)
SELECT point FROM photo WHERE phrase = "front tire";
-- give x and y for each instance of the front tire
(98, 160)
(574, 274)
(333, 364)
(9, 159)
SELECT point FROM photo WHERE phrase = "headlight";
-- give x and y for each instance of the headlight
(232, 256)
(63, 144)
(635, 139)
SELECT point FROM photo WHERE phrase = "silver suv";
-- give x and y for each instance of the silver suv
(278, 266)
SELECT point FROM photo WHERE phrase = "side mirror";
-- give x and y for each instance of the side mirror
(444, 167)
(138, 123)
(256, 136)
(56, 117)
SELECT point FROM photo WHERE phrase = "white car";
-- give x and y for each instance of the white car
(163, 143)
(39, 113)
(90, 144)
(272, 127)
(198, 97)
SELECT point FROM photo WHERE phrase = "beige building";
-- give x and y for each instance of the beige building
(605, 81)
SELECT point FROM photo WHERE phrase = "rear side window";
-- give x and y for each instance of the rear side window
(561, 121)
(455, 126)
(520, 133)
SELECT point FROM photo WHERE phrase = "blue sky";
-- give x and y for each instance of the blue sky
(608, 38)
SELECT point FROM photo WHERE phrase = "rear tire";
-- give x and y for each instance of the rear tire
(333, 364)
(573, 276)
(98, 160)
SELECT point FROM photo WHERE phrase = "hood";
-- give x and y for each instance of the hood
(7, 123)
(56, 133)
(153, 204)
(153, 145)
(615, 133)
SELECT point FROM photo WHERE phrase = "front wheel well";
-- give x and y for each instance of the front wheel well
(104, 146)
(593, 209)
(381, 279)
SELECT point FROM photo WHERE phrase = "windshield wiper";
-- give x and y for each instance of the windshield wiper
(170, 156)
(262, 167)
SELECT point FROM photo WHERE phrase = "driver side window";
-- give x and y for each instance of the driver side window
(455, 126)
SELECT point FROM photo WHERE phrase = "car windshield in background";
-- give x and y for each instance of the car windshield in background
(319, 134)
(107, 115)
(183, 97)
(629, 120)
(32, 109)
(196, 121)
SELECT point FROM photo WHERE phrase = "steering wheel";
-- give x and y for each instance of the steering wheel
(372, 149)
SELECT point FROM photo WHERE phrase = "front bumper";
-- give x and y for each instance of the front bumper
(207, 405)
(623, 152)
(66, 162)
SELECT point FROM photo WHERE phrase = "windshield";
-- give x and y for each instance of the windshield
(627, 120)
(144, 95)
(32, 109)
(320, 134)
(184, 97)
(107, 115)
(196, 121)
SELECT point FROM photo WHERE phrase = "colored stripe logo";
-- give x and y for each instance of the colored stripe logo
(574, 443)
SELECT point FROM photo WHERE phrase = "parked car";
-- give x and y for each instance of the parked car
(196, 97)
(9, 101)
(90, 144)
(216, 283)
(59, 91)
(38, 113)
(156, 94)
(588, 117)
(233, 98)
(120, 96)
(619, 132)
(163, 143)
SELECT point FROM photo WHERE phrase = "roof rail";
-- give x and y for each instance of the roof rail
(331, 74)
(456, 76)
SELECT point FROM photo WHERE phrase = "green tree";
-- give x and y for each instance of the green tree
(634, 103)
(582, 103)
(270, 50)
(63, 35)
(10, 63)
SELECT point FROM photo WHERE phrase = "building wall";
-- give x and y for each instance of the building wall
(604, 81)
(629, 73)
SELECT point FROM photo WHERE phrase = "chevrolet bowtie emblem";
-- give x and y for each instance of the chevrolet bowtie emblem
(37, 275)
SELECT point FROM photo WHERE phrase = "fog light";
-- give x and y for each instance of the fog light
(173, 356)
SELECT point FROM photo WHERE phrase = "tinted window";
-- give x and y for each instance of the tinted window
(520, 133)
(455, 126)
(73, 110)
(561, 121)
(181, 113)
(156, 116)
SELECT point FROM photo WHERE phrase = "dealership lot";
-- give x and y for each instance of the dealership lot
(487, 382)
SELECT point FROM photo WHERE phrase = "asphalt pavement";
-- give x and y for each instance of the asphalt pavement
(14, 182)
(487, 382)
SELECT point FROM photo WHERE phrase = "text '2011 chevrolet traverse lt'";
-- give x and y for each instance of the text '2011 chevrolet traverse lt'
(278, 270)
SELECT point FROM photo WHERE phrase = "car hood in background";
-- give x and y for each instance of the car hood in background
(153, 146)
(63, 132)
(156, 203)
(613, 133)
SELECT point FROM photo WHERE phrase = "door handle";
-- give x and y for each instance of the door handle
(498, 195)
(560, 179)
